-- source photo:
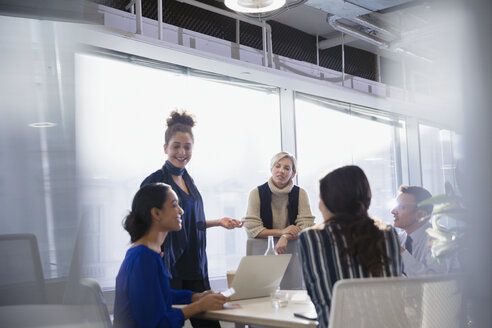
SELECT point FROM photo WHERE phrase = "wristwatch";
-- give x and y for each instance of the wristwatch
(284, 235)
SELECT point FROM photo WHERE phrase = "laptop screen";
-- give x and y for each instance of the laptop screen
(259, 275)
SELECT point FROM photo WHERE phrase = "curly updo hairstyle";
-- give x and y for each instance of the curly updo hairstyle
(139, 220)
(179, 121)
(347, 194)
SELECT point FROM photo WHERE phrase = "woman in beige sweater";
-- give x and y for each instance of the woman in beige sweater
(278, 208)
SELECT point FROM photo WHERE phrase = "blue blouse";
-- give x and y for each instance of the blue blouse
(143, 296)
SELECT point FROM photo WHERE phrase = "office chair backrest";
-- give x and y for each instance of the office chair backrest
(21, 273)
(417, 302)
(293, 278)
(89, 296)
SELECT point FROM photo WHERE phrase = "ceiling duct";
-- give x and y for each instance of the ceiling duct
(394, 45)
(356, 33)
(375, 21)
(366, 22)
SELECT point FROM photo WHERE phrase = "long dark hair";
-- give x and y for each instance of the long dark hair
(139, 220)
(347, 194)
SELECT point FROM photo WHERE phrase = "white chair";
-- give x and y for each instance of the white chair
(417, 302)
(89, 297)
(293, 278)
(86, 309)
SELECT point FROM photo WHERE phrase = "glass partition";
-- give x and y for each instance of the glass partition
(77, 163)
(440, 153)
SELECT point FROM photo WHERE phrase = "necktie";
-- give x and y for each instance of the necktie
(408, 244)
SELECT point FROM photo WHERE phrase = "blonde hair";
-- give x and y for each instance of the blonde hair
(283, 154)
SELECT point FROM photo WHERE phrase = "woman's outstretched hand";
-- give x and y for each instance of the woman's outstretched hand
(229, 223)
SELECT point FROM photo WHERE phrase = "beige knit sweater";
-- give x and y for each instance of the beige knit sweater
(280, 199)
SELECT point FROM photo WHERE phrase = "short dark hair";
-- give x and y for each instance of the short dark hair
(420, 194)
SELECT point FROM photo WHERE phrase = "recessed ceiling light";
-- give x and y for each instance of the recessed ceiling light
(254, 6)
(42, 125)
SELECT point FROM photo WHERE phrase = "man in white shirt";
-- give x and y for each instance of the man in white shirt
(415, 242)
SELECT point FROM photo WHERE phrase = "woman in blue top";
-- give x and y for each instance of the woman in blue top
(143, 295)
(349, 244)
(184, 257)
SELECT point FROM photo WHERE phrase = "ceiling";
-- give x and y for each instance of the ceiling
(386, 27)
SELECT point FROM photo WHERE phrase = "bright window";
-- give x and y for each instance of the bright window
(121, 112)
(331, 134)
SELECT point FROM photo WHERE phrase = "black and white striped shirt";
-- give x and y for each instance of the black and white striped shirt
(322, 264)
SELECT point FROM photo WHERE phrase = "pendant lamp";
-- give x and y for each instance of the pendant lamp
(254, 6)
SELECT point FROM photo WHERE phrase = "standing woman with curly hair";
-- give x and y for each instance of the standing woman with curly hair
(184, 253)
(349, 244)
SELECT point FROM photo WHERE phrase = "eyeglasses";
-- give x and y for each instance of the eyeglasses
(402, 206)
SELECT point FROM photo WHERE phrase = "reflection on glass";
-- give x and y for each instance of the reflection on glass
(37, 183)
(120, 136)
(440, 151)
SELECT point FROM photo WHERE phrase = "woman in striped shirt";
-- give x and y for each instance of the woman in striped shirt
(349, 244)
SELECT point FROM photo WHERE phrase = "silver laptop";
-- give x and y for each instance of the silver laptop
(259, 275)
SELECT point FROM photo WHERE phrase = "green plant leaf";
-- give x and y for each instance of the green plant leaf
(447, 242)
(440, 235)
(443, 250)
(450, 211)
(440, 199)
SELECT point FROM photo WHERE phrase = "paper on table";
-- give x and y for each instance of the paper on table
(229, 292)
(300, 298)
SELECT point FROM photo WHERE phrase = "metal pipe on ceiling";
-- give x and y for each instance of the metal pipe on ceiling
(159, 19)
(334, 23)
(138, 9)
(366, 23)
(382, 44)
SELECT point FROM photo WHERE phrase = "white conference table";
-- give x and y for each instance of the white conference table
(259, 311)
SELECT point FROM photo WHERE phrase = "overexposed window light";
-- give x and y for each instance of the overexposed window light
(111, 165)
(254, 6)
